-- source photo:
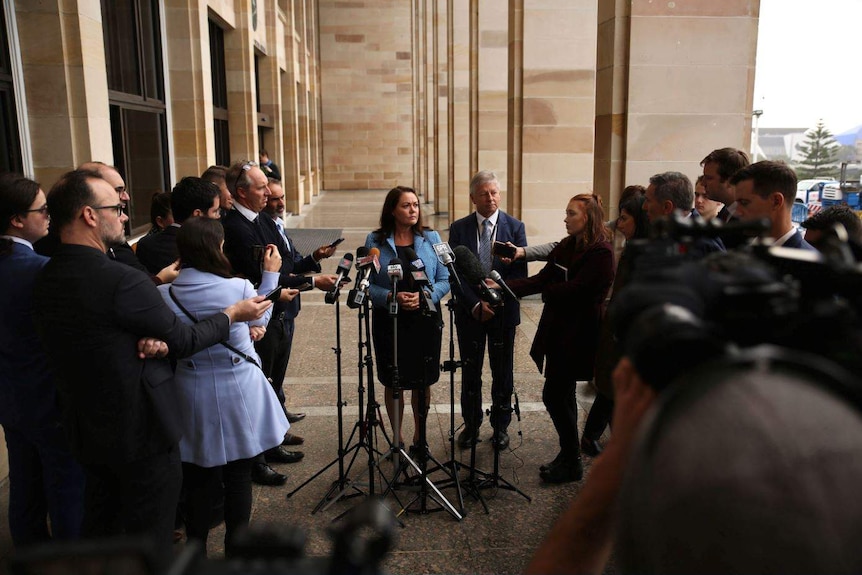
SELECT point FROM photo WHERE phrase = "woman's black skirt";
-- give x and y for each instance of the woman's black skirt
(419, 338)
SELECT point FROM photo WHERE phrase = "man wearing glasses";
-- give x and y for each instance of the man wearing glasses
(99, 321)
(246, 229)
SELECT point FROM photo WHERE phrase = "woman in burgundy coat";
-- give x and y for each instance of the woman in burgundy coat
(573, 284)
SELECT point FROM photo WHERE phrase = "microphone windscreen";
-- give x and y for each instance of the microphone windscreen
(374, 252)
(415, 262)
(395, 262)
(361, 252)
(468, 265)
(346, 263)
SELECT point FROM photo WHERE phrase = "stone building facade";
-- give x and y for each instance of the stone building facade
(558, 97)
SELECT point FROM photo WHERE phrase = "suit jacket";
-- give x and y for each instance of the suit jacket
(27, 391)
(90, 313)
(465, 232)
(798, 241)
(159, 250)
(229, 411)
(569, 326)
(240, 235)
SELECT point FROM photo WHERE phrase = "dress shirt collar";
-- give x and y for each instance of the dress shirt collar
(492, 218)
(247, 213)
(783, 239)
(18, 240)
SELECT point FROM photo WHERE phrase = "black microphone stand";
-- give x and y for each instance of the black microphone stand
(369, 414)
(479, 480)
(341, 483)
(403, 462)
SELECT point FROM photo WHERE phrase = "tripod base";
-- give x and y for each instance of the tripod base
(420, 483)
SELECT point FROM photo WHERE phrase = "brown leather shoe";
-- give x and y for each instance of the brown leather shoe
(291, 439)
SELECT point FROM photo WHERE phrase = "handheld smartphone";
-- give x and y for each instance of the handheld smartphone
(336, 242)
(274, 294)
(304, 287)
(504, 251)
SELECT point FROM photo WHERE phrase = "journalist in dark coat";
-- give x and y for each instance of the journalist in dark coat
(573, 284)
(98, 320)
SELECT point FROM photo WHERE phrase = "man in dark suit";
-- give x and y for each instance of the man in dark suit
(192, 196)
(91, 314)
(767, 190)
(477, 322)
(246, 229)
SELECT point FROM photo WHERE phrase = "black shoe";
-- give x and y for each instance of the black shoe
(468, 436)
(263, 474)
(294, 417)
(292, 439)
(565, 472)
(416, 451)
(501, 441)
(556, 461)
(590, 446)
(282, 455)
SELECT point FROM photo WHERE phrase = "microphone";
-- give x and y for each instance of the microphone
(446, 256)
(366, 260)
(471, 269)
(343, 269)
(395, 273)
(420, 278)
(495, 275)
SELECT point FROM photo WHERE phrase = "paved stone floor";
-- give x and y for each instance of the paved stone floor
(499, 541)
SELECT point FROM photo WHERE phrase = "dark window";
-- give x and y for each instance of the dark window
(10, 143)
(133, 51)
(219, 85)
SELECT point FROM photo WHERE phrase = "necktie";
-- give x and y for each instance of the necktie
(485, 246)
(280, 225)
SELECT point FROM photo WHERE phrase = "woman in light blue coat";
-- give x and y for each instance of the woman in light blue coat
(402, 235)
(230, 411)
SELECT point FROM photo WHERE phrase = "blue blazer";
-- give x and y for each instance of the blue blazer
(465, 232)
(798, 241)
(437, 273)
(27, 390)
(229, 411)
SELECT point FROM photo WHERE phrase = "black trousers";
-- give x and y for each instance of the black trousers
(274, 351)
(559, 398)
(472, 337)
(204, 485)
(599, 417)
(135, 498)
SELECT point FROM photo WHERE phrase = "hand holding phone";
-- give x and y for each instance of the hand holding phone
(504, 250)
(274, 294)
(336, 242)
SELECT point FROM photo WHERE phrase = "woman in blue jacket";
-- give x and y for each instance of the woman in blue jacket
(401, 235)
(230, 412)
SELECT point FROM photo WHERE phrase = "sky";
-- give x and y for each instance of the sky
(808, 64)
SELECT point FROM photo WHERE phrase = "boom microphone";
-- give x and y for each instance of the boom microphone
(343, 269)
(471, 269)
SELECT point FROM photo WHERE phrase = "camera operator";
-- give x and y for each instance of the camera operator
(673, 191)
(748, 460)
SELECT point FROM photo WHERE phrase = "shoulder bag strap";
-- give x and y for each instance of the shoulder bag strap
(245, 356)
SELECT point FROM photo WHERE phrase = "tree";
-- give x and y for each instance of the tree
(819, 154)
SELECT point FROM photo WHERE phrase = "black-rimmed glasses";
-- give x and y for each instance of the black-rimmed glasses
(43, 210)
(246, 166)
(118, 207)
